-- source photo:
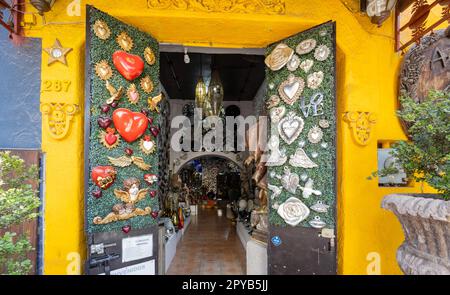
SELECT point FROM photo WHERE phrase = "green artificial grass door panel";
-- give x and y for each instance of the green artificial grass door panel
(301, 101)
(106, 36)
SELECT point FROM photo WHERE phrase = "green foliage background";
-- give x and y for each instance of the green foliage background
(324, 175)
(103, 50)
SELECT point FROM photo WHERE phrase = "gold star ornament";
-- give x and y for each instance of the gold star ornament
(57, 53)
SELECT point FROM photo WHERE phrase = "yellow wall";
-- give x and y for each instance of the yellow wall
(367, 82)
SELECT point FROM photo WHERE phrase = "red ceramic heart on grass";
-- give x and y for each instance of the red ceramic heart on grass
(155, 214)
(152, 194)
(126, 229)
(110, 137)
(103, 176)
(130, 66)
(130, 125)
(154, 130)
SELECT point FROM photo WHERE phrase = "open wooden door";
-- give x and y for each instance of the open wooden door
(301, 98)
(121, 140)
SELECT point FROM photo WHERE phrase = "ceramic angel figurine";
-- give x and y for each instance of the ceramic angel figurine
(127, 209)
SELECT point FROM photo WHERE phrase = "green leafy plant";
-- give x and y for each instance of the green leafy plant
(426, 156)
(18, 203)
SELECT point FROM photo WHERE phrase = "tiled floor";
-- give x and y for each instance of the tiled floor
(210, 246)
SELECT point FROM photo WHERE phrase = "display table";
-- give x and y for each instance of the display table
(243, 234)
(256, 251)
(172, 243)
(256, 257)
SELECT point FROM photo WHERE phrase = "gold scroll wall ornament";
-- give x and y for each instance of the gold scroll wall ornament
(361, 124)
(57, 117)
(222, 6)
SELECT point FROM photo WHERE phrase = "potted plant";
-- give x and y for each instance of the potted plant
(425, 218)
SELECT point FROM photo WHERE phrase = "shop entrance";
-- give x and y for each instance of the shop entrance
(292, 185)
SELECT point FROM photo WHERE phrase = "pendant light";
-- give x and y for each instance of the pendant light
(215, 95)
(200, 88)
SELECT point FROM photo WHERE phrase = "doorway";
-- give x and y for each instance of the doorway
(209, 241)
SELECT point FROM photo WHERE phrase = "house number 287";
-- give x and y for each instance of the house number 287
(56, 85)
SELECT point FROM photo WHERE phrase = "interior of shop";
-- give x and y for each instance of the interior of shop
(212, 194)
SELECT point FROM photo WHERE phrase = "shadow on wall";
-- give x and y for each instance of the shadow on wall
(20, 79)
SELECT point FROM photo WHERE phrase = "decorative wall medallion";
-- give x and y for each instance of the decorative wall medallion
(147, 84)
(101, 30)
(361, 125)
(314, 80)
(308, 189)
(149, 56)
(324, 123)
(131, 192)
(109, 139)
(276, 157)
(115, 95)
(321, 53)
(57, 118)
(57, 53)
(316, 222)
(320, 207)
(315, 134)
(293, 211)
(290, 180)
(103, 70)
(301, 159)
(290, 127)
(277, 113)
(130, 66)
(306, 65)
(293, 63)
(147, 145)
(276, 190)
(279, 57)
(125, 161)
(130, 125)
(153, 102)
(103, 176)
(273, 101)
(291, 89)
(125, 42)
(150, 178)
(132, 94)
(315, 105)
(232, 6)
(305, 46)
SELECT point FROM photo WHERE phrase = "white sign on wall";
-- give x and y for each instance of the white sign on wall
(136, 248)
(144, 268)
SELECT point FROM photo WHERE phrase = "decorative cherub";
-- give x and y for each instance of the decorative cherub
(127, 209)
(132, 194)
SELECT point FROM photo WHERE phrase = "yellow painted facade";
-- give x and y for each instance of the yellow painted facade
(367, 82)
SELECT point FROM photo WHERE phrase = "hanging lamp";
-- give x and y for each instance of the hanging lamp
(201, 91)
(215, 95)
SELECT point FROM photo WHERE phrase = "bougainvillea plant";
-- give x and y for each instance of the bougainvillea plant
(18, 203)
(426, 156)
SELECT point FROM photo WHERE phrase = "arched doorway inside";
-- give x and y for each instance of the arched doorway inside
(209, 244)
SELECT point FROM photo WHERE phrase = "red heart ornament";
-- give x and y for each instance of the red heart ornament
(150, 178)
(110, 138)
(130, 66)
(152, 194)
(103, 176)
(126, 229)
(130, 125)
(97, 194)
(154, 130)
(155, 214)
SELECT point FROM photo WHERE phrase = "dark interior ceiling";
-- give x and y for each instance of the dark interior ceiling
(241, 75)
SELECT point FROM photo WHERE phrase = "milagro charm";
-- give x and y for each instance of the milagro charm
(153, 102)
(291, 89)
(103, 176)
(150, 179)
(308, 189)
(315, 106)
(301, 159)
(127, 208)
(147, 145)
(109, 139)
(132, 94)
(290, 127)
(103, 70)
(125, 161)
(279, 57)
(130, 66)
(293, 211)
